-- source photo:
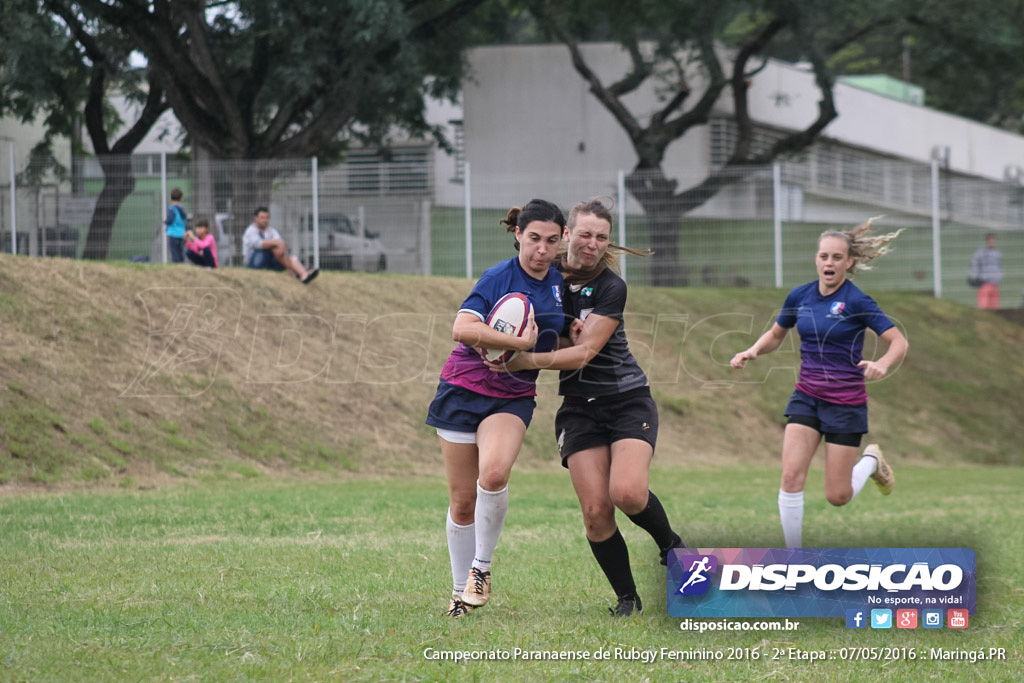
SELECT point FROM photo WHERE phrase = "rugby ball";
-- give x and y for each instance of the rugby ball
(509, 315)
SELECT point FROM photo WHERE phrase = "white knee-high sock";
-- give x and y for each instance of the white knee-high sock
(461, 546)
(791, 510)
(864, 468)
(491, 508)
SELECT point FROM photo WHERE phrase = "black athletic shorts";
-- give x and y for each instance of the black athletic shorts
(583, 423)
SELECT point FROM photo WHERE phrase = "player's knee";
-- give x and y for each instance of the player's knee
(493, 480)
(630, 501)
(597, 517)
(839, 498)
(793, 481)
(462, 510)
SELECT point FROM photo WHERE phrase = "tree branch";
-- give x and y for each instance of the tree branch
(699, 113)
(739, 87)
(632, 80)
(151, 111)
(603, 94)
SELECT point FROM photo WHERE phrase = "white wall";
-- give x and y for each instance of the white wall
(25, 136)
(528, 113)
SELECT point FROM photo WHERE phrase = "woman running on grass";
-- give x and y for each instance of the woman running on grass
(481, 417)
(830, 399)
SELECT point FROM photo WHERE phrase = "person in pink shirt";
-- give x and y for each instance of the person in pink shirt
(200, 246)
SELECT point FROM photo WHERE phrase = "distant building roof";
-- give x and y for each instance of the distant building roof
(886, 85)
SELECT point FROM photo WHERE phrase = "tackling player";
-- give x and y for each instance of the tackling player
(607, 426)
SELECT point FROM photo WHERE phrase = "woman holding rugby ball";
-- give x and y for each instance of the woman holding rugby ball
(608, 423)
(481, 416)
(830, 399)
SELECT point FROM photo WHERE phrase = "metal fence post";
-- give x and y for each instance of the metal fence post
(163, 205)
(14, 207)
(316, 215)
(777, 221)
(469, 224)
(621, 189)
(936, 242)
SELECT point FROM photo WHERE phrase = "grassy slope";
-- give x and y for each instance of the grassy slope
(265, 374)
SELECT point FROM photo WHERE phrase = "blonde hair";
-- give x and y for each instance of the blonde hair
(861, 244)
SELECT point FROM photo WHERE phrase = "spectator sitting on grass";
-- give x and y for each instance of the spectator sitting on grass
(262, 247)
(200, 247)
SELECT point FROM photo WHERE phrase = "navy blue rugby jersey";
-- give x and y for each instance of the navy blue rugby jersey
(832, 339)
(466, 368)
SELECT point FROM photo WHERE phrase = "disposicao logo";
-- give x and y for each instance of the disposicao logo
(818, 582)
(696, 581)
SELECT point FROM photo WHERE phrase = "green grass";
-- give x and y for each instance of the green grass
(347, 580)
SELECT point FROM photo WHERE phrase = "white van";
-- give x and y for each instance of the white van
(344, 244)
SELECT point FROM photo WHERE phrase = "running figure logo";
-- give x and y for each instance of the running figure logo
(695, 580)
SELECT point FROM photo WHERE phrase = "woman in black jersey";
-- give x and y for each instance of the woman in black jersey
(608, 423)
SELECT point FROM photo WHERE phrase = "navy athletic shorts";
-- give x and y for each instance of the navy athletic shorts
(841, 424)
(462, 410)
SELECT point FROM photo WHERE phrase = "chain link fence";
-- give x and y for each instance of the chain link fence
(756, 227)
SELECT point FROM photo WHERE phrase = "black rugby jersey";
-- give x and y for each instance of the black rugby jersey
(613, 370)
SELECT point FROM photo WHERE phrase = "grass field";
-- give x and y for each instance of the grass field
(347, 580)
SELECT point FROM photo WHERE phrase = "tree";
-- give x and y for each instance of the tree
(968, 56)
(694, 54)
(268, 80)
(57, 62)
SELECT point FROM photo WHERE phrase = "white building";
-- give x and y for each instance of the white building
(528, 112)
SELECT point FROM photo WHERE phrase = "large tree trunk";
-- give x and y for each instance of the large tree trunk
(118, 184)
(656, 194)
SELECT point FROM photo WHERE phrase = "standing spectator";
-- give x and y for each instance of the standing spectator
(201, 247)
(987, 272)
(262, 247)
(175, 222)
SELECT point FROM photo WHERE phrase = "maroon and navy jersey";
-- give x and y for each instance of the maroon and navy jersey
(831, 332)
(466, 368)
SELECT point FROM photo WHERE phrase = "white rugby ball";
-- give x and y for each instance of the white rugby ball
(510, 316)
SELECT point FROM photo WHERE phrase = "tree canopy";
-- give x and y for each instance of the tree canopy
(58, 65)
(273, 79)
(252, 79)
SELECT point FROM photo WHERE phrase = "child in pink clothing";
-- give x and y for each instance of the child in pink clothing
(201, 247)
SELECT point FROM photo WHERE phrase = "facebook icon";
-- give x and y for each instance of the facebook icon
(855, 618)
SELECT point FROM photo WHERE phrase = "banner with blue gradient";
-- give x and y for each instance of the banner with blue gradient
(817, 582)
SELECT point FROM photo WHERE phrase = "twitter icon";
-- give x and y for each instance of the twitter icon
(881, 618)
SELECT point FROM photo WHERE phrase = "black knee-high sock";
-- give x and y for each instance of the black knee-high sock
(613, 557)
(654, 521)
